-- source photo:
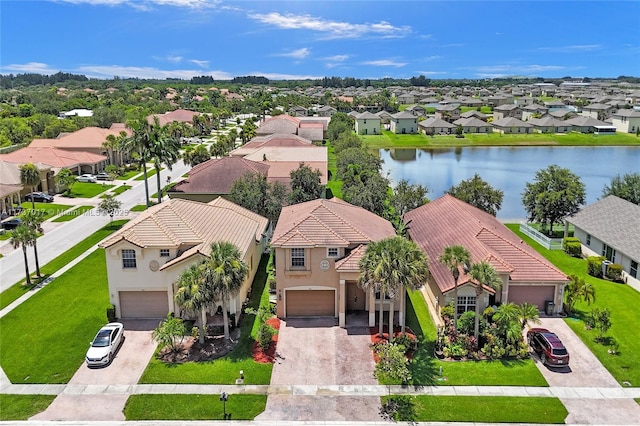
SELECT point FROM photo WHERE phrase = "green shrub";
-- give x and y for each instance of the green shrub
(614, 272)
(594, 265)
(447, 311)
(111, 313)
(466, 322)
(265, 335)
(572, 246)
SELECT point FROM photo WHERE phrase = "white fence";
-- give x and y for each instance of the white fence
(540, 238)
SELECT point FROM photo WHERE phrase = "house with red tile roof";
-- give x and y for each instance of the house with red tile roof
(318, 246)
(526, 275)
(181, 115)
(312, 128)
(145, 257)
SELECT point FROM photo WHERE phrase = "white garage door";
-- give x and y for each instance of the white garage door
(535, 295)
(305, 303)
(143, 304)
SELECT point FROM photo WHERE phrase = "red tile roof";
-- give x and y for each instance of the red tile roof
(85, 138)
(448, 221)
(177, 115)
(54, 157)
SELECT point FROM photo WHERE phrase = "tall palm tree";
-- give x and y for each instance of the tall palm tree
(113, 144)
(193, 295)
(225, 273)
(33, 219)
(23, 236)
(484, 275)
(139, 144)
(528, 312)
(30, 176)
(454, 257)
(389, 267)
(164, 149)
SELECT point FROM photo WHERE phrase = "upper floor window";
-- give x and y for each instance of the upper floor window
(297, 258)
(165, 253)
(333, 252)
(128, 258)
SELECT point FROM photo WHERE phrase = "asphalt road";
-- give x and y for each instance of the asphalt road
(68, 234)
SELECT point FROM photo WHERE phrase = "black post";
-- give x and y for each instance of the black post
(224, 397)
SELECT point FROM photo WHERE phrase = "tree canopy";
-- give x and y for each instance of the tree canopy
(626, 187)
(407, 197)
(478, 193)
(253, 192)
(305, 184)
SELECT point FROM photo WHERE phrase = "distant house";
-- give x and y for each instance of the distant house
(548, 124)
(448, 112)
(404, 122)
(626, 120)
(473, 125)
(416, 110)
(326, 111)
(511, 125)
(610, 227)
(406, 98)
(54, 159)
(367, 124)
(597, 111)
(272, 140)
(298, 111)
(533, 111)
(507, 110)
(181, 115)
(584, 124)
(526, 275)
(474, 113)
(436, 126)
(312, 128)
(79, 112)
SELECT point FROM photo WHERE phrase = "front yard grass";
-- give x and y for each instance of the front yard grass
(69, 215)
(425, 367)
(88, 189)
(223, 370)
(21, 407)
(621, 300)
(193, 407)
(49, 209)
(482, 409)
(45, 339)
(17, 290)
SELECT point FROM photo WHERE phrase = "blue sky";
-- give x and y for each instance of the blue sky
(313, 39)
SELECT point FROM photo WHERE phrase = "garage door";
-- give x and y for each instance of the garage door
(304, 303)
(534, 295)
(143, 304)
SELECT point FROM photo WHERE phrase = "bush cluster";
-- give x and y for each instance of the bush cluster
(572, 246)
(594, 265)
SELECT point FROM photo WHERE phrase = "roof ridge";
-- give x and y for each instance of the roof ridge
(342, 219)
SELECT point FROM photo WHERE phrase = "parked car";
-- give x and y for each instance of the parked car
(549, 347)
(105, 345)
(12, 223)
(103, 176)
(87, 178)
(40, 197)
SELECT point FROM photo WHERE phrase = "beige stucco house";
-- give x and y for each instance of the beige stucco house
(145, 258)
(318, 246)
(367, 123)
(626, 120)
(404, 122)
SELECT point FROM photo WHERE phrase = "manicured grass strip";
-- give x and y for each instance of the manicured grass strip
(69, 215)
(425, 367)
(49, 209)
(164, 190)
(139, 208)
(130, 174)
(17, 290)
(223, 370)
(150, 172)
(480, 409)
(621, 300)
(45, 339)
(88, 189)
(21, 407)
(334, 185)
(117, 191)
(193, 407)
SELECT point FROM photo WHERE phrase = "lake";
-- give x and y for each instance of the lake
(507, 168)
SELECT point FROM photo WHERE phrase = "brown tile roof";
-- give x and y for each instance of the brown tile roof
(447, 221)
(352, 261)
(333, 222)
(275, 139)
(216, 176)
(185, 223)
(87, 138)
(54, 157)
(183, 115)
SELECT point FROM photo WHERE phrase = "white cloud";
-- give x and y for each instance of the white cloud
(571, 48)
(337, 58)
(174, 59)
(332, 29)
(109, 71)
(297, 54)
(200, 63)
(385, 63)
(278, 76)
(147, 4)
(431, 72)
(30, 67)
(517, 69)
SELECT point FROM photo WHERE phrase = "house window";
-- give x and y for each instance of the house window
(164, 253)
(466, 303)
(609, 253)
(633, 270)
(297, 258)
(588, 239)
(128, 258)
(332, 252)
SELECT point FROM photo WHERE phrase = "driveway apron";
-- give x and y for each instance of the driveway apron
(126, 369)
(315, 351)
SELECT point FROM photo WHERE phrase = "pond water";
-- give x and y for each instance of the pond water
(508, 168)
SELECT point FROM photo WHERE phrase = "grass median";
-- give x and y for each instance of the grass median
(193, 407)
(70, 215)
(21, 407)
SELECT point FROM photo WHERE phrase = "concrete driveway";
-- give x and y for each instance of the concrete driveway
(126, 369)
(316, 351)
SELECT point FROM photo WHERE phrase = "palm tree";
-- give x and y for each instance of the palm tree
(33, 219)
(507, 319)
(484, 275)
(164, 149)
(193, 295)
(30, 176)
(23, 236)
(389, 267)
(454, 257)
(114, 144)
(577, 289)
(528, 312)
(225, 272)
(140, 144)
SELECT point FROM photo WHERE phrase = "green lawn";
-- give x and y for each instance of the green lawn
(117, 191)
(334, 185)
(193, 407)
(483, 109)
(130, 174)
(21, 407)
(17, 290)
(69, 215)
(45, 339)
(481, 409)
(88, 189)
(391, 140)
(150, 172)
(164, 190)
(620, 299)
(425, 367)
(223, 370)
(50, 209)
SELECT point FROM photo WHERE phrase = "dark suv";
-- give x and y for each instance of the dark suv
(549, 347)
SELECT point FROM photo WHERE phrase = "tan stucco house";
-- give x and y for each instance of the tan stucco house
(145, 258)
(318, 246)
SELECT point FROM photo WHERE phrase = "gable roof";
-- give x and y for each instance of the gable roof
(472, 121)
(53, 157)
(181, 115)
(334, 222)
(510, 122)
(87, 137)
(192, 225)
(448, 221)
(584, 121)
(271, 140)
(614, 221)
(436, 122)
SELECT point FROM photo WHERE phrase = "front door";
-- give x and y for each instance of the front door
(355, 297)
